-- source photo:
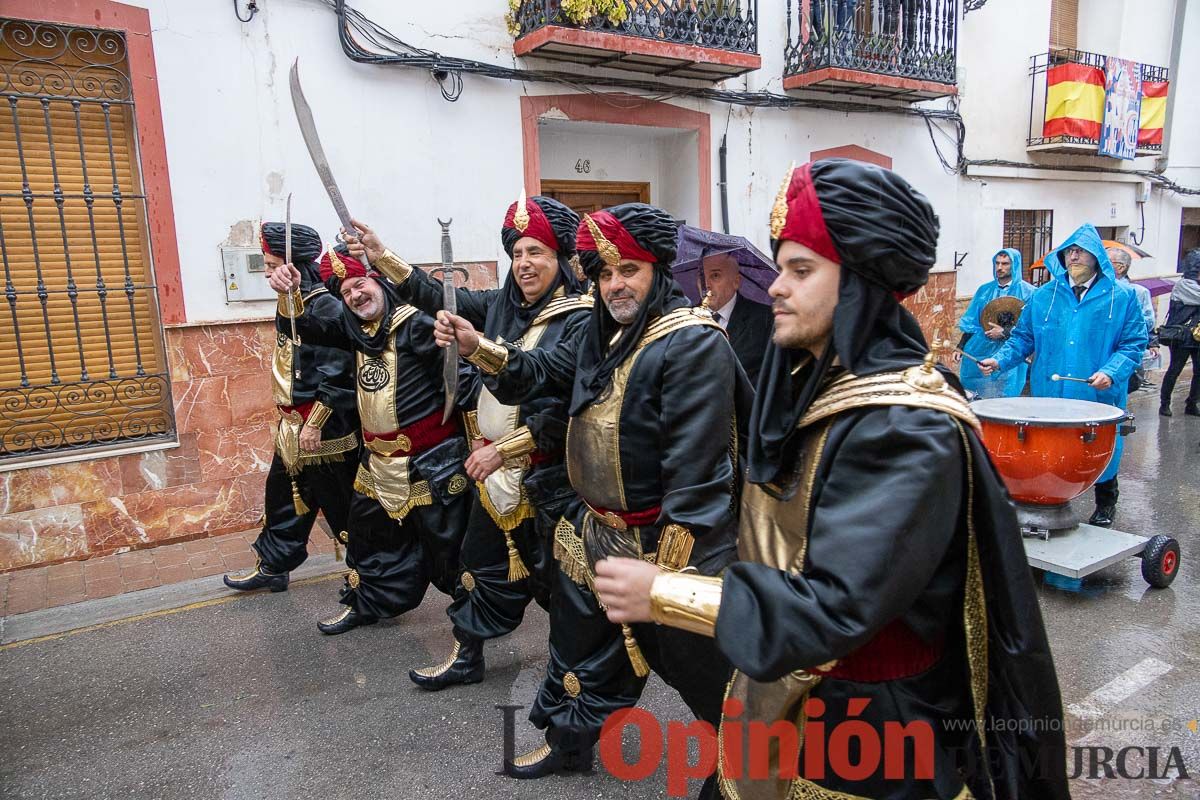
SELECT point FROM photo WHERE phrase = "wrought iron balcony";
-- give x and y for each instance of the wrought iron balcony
(1066, 103)
(702, 39)
(902, 49)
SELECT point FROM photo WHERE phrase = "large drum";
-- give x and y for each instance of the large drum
(1048, 450)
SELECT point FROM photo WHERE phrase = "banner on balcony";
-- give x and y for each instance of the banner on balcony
(1122, 108)
(1074, 102)
(1154, 113)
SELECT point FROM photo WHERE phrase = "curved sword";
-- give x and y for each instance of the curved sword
(308, 129)
(450, 304)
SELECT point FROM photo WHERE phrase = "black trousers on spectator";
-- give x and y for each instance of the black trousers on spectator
(1179, 359)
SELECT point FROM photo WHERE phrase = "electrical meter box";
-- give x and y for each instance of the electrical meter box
(245, 275)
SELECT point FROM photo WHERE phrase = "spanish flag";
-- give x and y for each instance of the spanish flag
(1074, 101)
(1154, 113)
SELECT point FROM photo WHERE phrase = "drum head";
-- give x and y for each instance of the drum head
(1046, 411)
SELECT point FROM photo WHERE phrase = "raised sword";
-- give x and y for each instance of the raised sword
(450, 304)
(308, 129)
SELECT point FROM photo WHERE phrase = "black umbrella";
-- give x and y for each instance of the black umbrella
(696, 244)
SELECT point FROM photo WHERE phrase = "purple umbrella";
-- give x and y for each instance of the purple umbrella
(696, 244)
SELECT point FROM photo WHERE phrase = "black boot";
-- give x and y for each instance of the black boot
(1164, 410)
(464, 665)
(547, 761)
(1102, 517)
(1192, 410)
(348, 619)
(257, 578)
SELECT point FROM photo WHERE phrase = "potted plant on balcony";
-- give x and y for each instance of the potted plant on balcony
(575, 12)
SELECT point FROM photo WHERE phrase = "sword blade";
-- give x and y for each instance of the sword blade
(308, 129)
(450, 304)
(287, 256)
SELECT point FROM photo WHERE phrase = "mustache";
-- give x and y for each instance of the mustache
(621, 294)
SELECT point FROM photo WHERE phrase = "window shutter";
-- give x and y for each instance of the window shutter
(91, 371)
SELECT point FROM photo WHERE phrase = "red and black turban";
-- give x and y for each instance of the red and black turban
(306, 242)
(337, 264)
(541, 218)
(865, 217)
(633, 231)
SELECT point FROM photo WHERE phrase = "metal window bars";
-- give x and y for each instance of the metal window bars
(915, 39)
(1031, 233)
(717, 24)
(83, 364)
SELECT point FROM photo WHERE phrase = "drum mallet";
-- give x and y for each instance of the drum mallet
(1057, 377)
(967, 355)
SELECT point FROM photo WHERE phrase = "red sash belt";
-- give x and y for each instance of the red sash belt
(895, 652)
(631, 518)
(415, 438)
(303, 409)
(536, 457)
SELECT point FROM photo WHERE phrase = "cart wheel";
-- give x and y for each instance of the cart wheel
(1160, 561)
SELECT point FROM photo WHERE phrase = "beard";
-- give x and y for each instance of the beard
(624, 308)
(1081, 273)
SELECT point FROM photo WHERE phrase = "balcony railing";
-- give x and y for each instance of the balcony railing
(709, 39)
(892, 48)
(1066, 103)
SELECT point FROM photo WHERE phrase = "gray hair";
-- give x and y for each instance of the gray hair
(1117, 254)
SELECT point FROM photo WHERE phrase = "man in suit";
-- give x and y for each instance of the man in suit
(747, 323)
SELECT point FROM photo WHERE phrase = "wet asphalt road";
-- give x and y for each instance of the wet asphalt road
(244, 699)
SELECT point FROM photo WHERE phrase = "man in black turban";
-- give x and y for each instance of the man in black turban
(651, 453)
(882, 585)
(316, 444)
(521, 485)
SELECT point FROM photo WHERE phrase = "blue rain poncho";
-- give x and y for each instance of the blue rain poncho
(1000, 384)
(1103, 332)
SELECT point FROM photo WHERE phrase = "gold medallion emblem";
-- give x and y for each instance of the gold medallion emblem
(457, 484)
(571, 684)
(344, 537)
(353, 579)
(468, 581)
(403, 443)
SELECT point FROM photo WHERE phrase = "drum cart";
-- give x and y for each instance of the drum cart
(1050, 450)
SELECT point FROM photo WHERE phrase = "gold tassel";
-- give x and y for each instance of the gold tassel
(516, 567)
(640, 667)
(339, 553)
(298, 501)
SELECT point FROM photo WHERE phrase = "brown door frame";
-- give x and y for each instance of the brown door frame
(598, 187)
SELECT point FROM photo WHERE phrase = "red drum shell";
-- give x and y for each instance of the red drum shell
(1044, 462)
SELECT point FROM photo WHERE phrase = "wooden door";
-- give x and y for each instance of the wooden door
(586, 196)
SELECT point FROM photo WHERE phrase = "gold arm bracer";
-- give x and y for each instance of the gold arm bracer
(393, 267)
(491, 358)
(686, 601)
(515, 447)
(291, 305)
(471, 425)
(319, 415)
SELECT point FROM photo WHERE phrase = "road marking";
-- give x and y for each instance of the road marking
(162, 612)
(1119, 688)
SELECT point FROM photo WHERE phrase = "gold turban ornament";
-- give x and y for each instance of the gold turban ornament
(337, 265)
(780, 209)
(607, 250)
(521, 215)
